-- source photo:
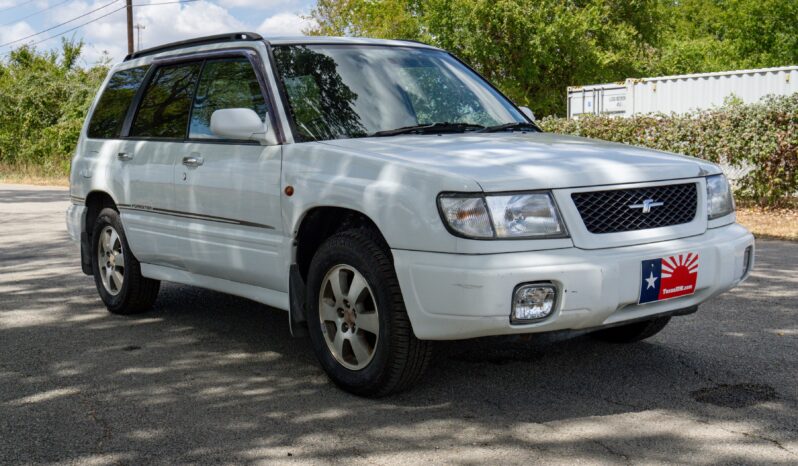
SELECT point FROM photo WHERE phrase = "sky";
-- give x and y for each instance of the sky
(167, 22)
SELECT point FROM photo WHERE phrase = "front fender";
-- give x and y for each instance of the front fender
(400, 199)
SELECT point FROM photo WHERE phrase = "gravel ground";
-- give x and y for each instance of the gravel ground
(210, 378)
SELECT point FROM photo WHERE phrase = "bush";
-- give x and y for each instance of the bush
(44, 98)
(762, 137)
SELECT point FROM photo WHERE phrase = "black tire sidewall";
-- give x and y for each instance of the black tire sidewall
(110, 217)
(337, 251)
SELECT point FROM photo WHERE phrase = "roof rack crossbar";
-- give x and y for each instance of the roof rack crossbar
(219, 38)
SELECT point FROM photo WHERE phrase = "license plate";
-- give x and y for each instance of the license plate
(668, 277)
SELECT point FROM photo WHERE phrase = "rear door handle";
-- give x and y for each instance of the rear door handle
(193, 161)
(124, 156)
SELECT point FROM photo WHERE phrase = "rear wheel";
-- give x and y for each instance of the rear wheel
(358, 324)
(631, 333)
(117, 273)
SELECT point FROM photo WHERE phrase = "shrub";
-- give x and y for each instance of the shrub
(759, 139)
(44, 98)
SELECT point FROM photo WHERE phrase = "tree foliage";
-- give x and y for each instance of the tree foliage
(44, 97)
(533, 49)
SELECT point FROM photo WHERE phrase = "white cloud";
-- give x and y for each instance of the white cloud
(284, 24)
(107, 37)
(13, 32)
(254, 4)
(162, 24)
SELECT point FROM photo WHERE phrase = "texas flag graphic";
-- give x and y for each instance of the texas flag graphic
(669, 277)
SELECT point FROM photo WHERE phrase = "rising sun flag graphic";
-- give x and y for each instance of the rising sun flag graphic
(669, 277)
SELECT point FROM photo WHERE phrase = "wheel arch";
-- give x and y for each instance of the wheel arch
(318, 223)
(314, 226)
(95, 202)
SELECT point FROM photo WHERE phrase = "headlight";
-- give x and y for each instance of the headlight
(719, 197)
(522, 215)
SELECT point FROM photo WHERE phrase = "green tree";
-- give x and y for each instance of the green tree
(716, 35)
(534, 49)
(44, 97)
(531, 49)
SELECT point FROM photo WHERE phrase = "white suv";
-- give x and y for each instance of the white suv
(385, 195)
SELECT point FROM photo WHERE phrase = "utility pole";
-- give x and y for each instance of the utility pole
(129, 26)
(138, 27)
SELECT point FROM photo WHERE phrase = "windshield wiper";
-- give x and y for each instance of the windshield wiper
(515, 126)
(430, 128)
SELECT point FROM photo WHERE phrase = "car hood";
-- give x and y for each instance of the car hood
(526, 161)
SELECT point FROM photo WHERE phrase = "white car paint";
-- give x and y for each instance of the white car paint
(453, 287)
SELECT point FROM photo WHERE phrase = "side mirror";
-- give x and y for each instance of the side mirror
(529, 114)
(241, 124)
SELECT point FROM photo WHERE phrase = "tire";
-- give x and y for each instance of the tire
(394, 359)
(631, 333)
(136, 293)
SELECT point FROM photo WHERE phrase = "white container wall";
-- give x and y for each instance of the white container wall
(601, 99)
(680, 94)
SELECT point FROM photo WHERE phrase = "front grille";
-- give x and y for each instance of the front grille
(609, 211)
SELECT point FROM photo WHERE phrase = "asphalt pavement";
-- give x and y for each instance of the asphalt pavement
(211, 378)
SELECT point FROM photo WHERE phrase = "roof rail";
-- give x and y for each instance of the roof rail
(229, 37)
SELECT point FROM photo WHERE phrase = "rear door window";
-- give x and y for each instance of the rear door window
(225, 83)
(165, 106)
(110, 111)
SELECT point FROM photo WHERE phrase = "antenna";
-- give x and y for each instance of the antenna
(138, 27)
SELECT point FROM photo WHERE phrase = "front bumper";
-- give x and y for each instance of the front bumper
(454, 296)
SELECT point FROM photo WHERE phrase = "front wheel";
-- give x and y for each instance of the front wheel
(631, 333)
(358, 324)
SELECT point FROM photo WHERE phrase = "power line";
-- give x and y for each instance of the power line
(61, 24)
(16, 6)
(71, 29)
(83, 24)
(36, 12)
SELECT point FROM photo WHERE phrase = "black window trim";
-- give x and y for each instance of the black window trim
(289, 113)
(200, 57)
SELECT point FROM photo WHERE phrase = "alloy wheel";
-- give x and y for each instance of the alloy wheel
(111, 260)
(349, 317)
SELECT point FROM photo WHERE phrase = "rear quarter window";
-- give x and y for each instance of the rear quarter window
(109, 114)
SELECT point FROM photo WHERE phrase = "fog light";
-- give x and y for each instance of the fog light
(533, 302)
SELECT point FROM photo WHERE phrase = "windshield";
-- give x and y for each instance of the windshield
(346, 91)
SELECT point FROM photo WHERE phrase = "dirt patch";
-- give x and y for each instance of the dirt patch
(770, 223)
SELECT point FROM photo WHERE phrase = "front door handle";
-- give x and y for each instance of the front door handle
(124, 156)
(193, 161)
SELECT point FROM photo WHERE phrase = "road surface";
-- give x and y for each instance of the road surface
(210, 378)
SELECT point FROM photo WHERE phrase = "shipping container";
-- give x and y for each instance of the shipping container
(682, 93)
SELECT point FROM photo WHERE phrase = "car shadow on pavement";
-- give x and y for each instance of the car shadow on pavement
(207, 377)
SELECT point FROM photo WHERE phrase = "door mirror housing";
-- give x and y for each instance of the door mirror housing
(241, 124)
(528, 112)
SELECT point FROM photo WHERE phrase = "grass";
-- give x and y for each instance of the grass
(770, 223)
(34, 176)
